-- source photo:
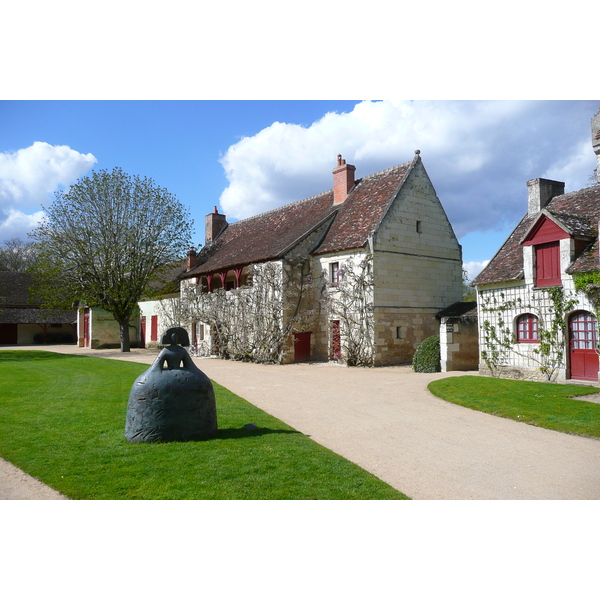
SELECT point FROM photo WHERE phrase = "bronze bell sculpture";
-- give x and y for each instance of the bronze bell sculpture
(173, 400)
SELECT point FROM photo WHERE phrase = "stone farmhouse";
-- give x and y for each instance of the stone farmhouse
(389, 227)
(537, 318)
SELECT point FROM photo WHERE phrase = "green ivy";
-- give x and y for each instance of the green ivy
(589, 284)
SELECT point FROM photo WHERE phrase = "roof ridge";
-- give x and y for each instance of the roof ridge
(315, 196)
(282, 207)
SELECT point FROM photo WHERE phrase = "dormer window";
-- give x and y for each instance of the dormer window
(545, 236)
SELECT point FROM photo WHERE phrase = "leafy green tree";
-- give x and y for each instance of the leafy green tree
(105, 240)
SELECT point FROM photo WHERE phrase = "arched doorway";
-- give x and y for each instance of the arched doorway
(583, 344)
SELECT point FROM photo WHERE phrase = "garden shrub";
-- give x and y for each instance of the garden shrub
(427, 356)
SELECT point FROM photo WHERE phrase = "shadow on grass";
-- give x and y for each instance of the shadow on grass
(244, 432)
(31, 355)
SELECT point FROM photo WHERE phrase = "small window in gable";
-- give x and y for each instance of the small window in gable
(527, 329)
(547, 265)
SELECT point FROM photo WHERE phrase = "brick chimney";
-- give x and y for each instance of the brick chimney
(215, 223)
(596, 142)
(540, 192)
(192, 258)
(343, 180)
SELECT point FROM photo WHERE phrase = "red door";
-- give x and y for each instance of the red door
(583, 339)
(302, 347)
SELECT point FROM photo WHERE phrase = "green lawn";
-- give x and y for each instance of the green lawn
(62, 420)
(547, 405)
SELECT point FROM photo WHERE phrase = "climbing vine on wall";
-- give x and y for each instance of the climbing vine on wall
(500, 340)
(589, 284)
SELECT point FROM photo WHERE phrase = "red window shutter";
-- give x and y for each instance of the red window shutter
(154, 328)
(547, 265)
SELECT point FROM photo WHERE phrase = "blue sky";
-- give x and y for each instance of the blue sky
(249, 156)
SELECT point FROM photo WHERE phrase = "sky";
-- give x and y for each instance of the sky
(249, 156)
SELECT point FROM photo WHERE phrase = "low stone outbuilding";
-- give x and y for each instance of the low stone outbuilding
(459, 337)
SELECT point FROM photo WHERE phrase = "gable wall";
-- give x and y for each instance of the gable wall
(417, 272)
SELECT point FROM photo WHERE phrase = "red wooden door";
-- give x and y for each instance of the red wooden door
(583, 339)
(302, 347)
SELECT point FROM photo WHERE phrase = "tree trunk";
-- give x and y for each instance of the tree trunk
(124, 335)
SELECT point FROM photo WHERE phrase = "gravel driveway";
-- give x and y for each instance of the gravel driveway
(386, 421)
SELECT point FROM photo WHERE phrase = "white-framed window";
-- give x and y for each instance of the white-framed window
(334, 273)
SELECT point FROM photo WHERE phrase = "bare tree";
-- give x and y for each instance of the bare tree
(105, 240)
(17, 256)
(253, 322)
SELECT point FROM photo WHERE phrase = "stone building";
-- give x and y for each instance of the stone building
(534, 320)
(391, 225)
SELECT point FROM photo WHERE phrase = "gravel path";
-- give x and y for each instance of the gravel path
(386, 421)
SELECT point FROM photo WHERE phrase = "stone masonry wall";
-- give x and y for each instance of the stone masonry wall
(417, 270)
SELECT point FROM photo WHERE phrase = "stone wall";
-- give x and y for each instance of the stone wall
(417, 270)
(459, 346)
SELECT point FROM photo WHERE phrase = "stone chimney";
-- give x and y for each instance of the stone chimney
(215, 223)
(343, 180)
(192, 258)
(540, 192)
(596, 142)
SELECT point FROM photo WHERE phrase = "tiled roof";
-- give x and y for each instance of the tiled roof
(266, 236)
(17, 307)
(579, 212)
(36, 315)
(14, 288)
(363, 209)
(458, 309)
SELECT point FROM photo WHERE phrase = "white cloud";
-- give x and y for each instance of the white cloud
(28, 176)
(473, 268)
(17, 224)
(479, 155)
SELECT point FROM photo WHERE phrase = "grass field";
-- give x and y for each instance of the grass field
(547, 405)
(63, 419)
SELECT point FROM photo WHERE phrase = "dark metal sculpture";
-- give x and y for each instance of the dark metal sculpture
(173, 400)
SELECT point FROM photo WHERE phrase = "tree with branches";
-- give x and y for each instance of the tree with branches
(17, 256)
(105, 240)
